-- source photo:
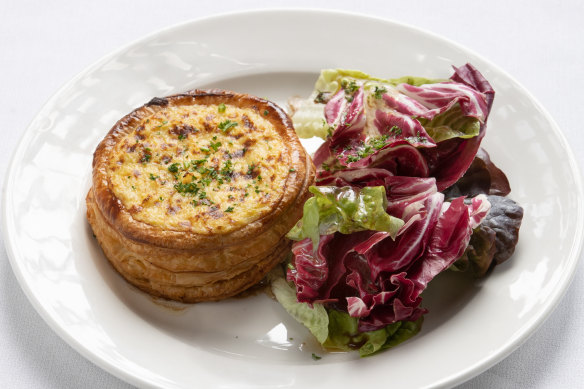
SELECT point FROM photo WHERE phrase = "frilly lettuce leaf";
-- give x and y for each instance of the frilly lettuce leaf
(337, 330)
(330, 80)
(344, 334)
(415, 81)
(314, 318)
(346, 210)
(451, 124)
(308, 119)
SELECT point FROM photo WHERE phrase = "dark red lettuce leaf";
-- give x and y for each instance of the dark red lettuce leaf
(494, 240)
(479, 254)
(505, 219)
(482, 177)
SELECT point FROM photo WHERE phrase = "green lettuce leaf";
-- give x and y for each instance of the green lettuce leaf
(337, 330)
(308, 117)
(343, 334)
(314, 318)
(330, 80)
(451, 124)
(415, 81)
(346, 210)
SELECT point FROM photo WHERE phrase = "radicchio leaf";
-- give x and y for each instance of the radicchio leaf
(379, 280)
(410, 130)
(482, 177)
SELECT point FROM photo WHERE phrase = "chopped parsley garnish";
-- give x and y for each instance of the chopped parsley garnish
(250, 168)
(349, 87)
(147, 155)
(373, 144)
(153, 177)
(321, 98)
(227, 125)
(316, 357)
(229, 209)
(379, 91)
(266, 112)
(197, 162)
(417, 138)
(378, 143)
(292, 170)
(163, 123)
(215, 146)
(181, 136)
(189, 188)
(227, 169)
(197, 177)
(366, 151)
(396, 131)
(221, 108)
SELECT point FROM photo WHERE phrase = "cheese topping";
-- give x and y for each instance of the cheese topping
(200, 168)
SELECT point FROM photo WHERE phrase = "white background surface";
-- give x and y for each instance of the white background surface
(45, 43)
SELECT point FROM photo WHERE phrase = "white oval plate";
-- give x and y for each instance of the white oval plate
(252, 342)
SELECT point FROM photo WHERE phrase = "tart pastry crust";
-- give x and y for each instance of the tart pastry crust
(193, 193)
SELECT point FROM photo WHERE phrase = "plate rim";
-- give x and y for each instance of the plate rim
(484, 364)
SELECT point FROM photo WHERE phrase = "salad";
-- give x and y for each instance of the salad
(403, 192)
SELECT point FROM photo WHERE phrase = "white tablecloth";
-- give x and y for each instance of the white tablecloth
(45, 43)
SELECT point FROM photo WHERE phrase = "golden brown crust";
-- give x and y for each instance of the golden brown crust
(187, 264)
(116, 214)
(204, 260)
